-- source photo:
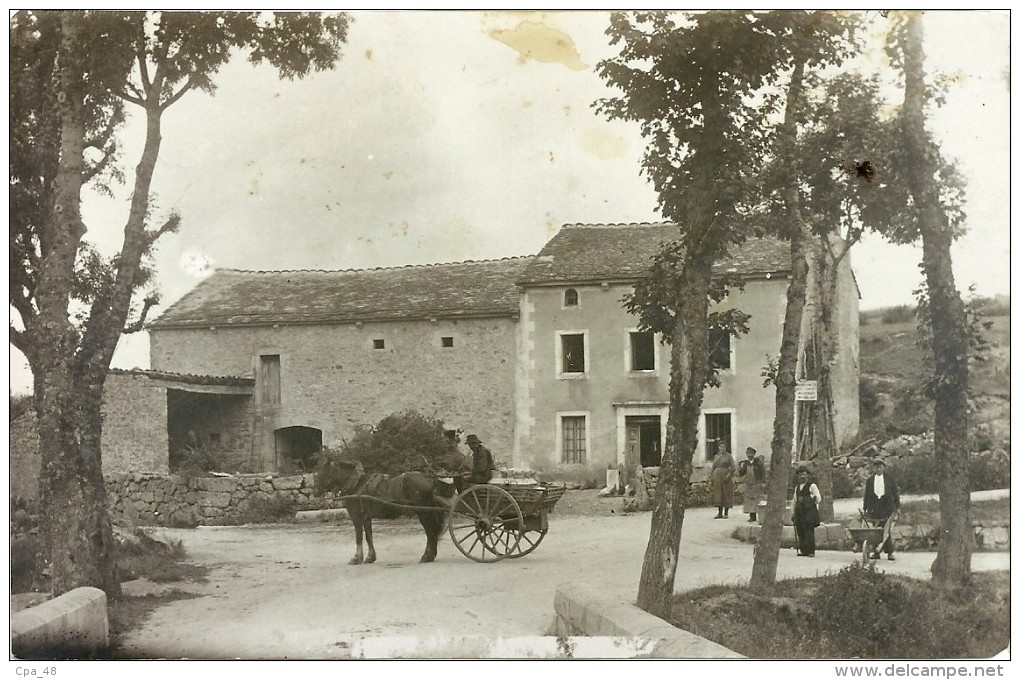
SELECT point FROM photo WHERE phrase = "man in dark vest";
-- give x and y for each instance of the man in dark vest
(881, 501)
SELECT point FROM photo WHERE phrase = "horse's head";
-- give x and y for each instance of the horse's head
(333, 472)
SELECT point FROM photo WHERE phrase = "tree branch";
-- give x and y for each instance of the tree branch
(171, 225)
(180, 93)
(143, 70)
(149, 302)
(129, 98)
(22, 301)
(20, 341)
(103, 138)
(98, 168)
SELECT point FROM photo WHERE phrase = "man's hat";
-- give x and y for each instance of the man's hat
(473, 439)
(878, 461)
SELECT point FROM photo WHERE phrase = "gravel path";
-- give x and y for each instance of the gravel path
(287, 592)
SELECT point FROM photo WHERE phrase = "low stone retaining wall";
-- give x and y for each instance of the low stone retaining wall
(827, 536)
(583, 611)
(183, 501)
(987, 536)
(71, 626)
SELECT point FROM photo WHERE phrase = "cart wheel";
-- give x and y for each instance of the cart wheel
(531, 536)
(484, 522)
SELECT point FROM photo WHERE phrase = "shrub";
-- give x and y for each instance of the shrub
(406, 441)
(870, 612)
(842, 483)
(989, 470)
(898, 314)
(918, 474)
(193, 460)
(867, 395)
(24, 556)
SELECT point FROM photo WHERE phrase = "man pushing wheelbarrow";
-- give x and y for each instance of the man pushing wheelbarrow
(881, 505)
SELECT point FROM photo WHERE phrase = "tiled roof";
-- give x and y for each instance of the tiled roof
(189, 378)
(613, 252)
(461, 289)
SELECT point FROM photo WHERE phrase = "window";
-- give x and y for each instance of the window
(642, 351)
(269, 379)
(570, 298)
(378, 343)
(718, 430)
(447, 340)
(572, 349)
(719, 348)
(574, 438)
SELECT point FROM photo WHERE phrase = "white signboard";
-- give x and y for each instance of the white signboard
(807, 390)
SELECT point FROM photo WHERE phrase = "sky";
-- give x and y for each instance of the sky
(450, 136)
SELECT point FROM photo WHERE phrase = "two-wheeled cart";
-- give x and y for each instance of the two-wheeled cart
(492, 522)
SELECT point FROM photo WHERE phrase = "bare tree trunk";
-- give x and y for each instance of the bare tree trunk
(75, 526)
(76, 523)
(821, 346)
(689, 366)
(948, 322)
(766, 551)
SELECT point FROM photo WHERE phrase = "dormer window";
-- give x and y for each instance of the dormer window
(570, 298)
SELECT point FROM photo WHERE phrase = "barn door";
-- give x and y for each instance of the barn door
(269, 379)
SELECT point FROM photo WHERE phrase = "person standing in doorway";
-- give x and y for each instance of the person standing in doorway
(806, 499)
(722, 481)
(881, 502)
(752, 469)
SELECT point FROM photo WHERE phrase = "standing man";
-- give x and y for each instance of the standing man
(881, 502)
(753, 471)
(806, 499)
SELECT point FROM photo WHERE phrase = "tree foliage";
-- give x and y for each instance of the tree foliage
(73, 75)
(700, 86)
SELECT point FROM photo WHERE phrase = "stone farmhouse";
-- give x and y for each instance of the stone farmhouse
(535, 355)
(592, 389)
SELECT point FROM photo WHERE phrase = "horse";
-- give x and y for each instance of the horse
(410, 488)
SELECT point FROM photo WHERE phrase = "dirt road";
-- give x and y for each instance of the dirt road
(287, 592)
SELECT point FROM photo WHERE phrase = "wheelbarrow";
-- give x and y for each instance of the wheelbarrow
(870, 536)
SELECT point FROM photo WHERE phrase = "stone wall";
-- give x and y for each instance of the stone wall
(134, 424)
(988, 440)
(333, 379)
(698, 494)
(24, 456)
(134, 434)
(182, 501)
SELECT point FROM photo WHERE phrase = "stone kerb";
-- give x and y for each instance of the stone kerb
(582, 611)
(71, 626)
(186, 501)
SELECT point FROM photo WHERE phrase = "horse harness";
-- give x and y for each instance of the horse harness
(363, 483)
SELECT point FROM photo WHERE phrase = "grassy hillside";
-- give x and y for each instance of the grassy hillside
(892, 373)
